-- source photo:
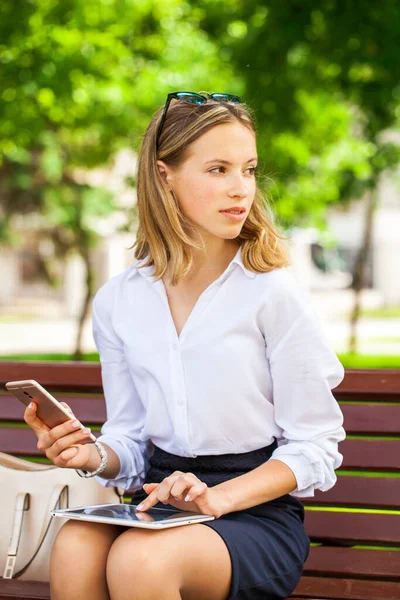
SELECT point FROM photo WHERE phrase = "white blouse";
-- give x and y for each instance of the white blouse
(251, 364)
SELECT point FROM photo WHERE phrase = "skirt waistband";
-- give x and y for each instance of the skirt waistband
(215, 469)
(212, 469)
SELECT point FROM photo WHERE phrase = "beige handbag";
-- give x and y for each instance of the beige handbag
(29, 491)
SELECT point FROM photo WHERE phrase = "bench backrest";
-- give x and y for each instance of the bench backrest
(362, 509)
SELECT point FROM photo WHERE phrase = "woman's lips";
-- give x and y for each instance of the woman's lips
(234, 216)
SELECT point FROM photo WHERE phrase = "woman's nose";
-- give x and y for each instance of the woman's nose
(239, 187)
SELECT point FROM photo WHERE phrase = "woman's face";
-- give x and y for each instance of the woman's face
(217, 175)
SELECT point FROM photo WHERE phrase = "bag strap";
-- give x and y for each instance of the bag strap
(60, 491)
(22, 504)
(13, 462)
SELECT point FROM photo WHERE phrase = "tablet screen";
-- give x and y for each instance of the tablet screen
(128, 512)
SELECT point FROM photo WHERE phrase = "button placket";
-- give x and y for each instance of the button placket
(179, 395)
(197, 310)
(203, 301)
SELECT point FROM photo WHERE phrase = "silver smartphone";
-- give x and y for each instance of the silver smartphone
(49, 410)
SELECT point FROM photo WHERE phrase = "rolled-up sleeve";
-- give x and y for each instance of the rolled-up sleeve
(304, 370)
(125, 411)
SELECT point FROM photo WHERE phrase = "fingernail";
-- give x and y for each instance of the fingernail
(140, 506)
(75, 424)
(187, 498)
(86, 430)
(30, 405)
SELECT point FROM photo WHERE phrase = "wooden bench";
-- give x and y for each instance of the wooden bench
(355, 553)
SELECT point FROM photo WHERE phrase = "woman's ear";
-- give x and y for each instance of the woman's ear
(164, 172)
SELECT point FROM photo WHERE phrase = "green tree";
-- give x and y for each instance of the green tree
(79, 81)
(323, 79)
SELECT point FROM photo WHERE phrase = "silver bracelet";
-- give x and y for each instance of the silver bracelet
(103, 463)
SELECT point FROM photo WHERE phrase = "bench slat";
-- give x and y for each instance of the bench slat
(353, 528)
(371, 419)
(21, 590)
(366, 383)
(363, 384)
(88, 409)
(22, 441)
(360, 492)
(82, 376)
(358, 454)
(358, 419)
(349, 589)
(371, 454)
(355, 562)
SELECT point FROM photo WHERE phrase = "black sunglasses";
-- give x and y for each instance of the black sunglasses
(193, 98)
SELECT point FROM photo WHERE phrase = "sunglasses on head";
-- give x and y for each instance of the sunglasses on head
(193, 98)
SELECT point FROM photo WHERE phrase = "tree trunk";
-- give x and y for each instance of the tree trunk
(360, 267)
(89, 279)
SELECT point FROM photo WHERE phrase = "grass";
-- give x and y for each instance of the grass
(370, 361)
(389, 312)
(20, 317)
(390, 340)
(50, 356)
(349, 361)
(372, 511)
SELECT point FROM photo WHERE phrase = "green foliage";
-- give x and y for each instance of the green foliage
(323, 83)
(79, 82)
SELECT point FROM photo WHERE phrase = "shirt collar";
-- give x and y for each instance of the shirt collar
(238, 260)
(147, 272)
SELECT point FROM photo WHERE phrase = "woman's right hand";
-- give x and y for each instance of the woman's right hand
(61, 444)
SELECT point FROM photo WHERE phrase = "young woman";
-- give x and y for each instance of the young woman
(217, 379)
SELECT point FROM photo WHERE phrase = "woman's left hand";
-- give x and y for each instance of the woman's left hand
(178, 486)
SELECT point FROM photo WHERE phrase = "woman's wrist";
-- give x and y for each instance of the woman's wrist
(113, 463)
(94, 460)
(103, 462)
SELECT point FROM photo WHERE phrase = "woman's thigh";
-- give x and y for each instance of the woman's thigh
(192, 559)
(79, 553)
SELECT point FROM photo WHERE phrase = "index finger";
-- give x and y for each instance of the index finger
(154, 497)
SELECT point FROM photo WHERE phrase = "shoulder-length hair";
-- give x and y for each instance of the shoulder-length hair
(165, 235)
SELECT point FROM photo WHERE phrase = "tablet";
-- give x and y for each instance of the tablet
(126, 514)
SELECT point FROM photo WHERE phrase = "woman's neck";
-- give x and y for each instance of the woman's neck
(217, 255)
(214, 260)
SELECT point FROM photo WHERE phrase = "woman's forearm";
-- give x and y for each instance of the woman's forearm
(264, 483)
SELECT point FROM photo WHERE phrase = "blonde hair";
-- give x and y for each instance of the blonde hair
(164, 233)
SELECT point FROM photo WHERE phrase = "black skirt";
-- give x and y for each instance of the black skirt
(267, 543)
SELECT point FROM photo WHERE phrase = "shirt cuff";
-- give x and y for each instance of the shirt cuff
(309, 476)
(124, 479)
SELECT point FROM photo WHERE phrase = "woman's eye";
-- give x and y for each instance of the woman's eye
(252, 170)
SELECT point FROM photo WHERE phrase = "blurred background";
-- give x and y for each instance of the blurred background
(79, 83)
